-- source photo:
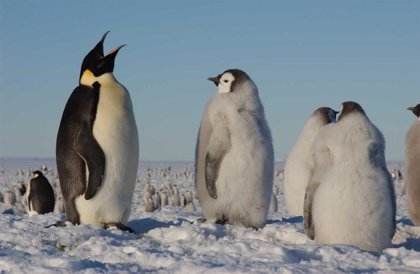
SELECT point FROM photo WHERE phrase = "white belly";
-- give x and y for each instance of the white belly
(353, 206)
(245, 183)
(116, 132)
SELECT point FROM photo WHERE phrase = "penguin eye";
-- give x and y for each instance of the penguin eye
(226, 81)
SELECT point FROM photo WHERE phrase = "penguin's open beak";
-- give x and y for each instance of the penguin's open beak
(215, 80)
(98, 50)
(115, 51)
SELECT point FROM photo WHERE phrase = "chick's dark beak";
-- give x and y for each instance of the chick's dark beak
(215, 80)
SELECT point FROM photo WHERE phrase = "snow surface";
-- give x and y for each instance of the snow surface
(172, 241)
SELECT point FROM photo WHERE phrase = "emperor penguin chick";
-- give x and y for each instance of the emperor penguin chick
(97, 146)
(412, 164)
(234, 160)
(299, 163)
(350, 197)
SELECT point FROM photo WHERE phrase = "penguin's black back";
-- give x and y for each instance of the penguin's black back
(76, 147)
(41, 196)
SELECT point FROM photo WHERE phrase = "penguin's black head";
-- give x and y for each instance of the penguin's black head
(37, 174)
(328, 115)
(350, 107)
(96, 63)
(415, 110)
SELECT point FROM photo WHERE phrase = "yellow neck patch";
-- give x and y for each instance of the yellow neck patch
(88, 78)
(87, 73)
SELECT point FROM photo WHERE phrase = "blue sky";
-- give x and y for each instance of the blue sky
(301, 55)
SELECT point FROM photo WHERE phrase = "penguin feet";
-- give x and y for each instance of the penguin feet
(57, 224)
(201, 220)
(120, 226)
(222, 221)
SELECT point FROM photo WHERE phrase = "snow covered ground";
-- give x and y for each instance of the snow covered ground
(171, 240)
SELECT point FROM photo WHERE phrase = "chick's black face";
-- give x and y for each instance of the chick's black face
(96, 62)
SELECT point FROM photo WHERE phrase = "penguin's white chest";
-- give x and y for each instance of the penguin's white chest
(353, 206)
(115, 130)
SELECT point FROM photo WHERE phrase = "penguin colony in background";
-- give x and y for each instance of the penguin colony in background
(335, 175)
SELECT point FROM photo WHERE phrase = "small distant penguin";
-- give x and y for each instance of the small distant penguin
(16, 190)
(149, 206)
(20, 188)
(156, 201)
(1, 198)
(190, 207)
(175, 198)
(40, 195)
(299, 163)
(350, 197)
(273, 203)
(412, 171)
(10, 198)
(97, 146)
(164, 198)
(234, 159)
(148, 188)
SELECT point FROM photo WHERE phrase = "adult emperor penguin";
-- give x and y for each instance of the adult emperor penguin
(299, 163)
(40, 195)
(412, 163)
(97, 146)
(234, 161)
(350, 197)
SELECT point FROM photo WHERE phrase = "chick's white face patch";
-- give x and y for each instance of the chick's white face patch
(225, 83)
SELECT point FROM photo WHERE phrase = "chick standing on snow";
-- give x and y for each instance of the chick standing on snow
(164, 198)
(10, 198)
(156, 201)
(149, 206)
(299, 163)
(189, 201)
(234, 160)
(175, 199)
(412, 171)
(350, 197)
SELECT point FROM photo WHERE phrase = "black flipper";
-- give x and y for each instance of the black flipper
(218, 146)
(88, 148)
(307, 209)
(74, 135)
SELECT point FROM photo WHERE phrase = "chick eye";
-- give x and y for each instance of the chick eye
(226, 81)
